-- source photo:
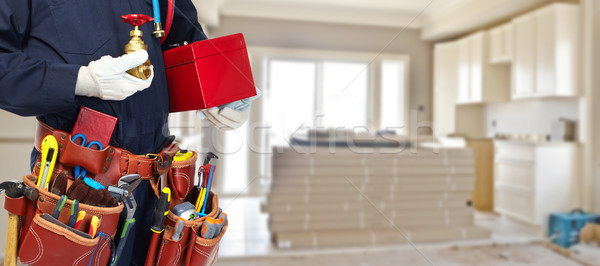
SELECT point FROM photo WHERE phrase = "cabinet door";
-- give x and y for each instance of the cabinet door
(523, 68)
(464, 70)
(476, 67)
(496, 45)
(545, 46)
(508, 39)
(445, 86)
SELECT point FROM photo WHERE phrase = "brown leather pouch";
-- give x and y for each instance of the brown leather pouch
(94, 161)
(111, 177)
(44, 242)
(176, 252)
(48, 243)
(205, 251)
(181, 178)
(47, 201)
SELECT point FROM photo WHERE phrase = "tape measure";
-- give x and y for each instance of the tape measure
(182, 155)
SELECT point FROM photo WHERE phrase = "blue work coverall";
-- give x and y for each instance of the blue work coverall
(43, 43)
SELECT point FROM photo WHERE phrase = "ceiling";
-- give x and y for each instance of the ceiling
(438, 19)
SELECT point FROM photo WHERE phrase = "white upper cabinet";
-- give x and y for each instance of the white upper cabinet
(523, 67)
(445, 85)
(501, 44)
(546, 55)
(479, 81)
(464, 71)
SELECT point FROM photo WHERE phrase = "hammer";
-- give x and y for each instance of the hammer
(14, 189)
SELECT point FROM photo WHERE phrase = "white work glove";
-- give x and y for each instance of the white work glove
(106, 78)
(229, 116)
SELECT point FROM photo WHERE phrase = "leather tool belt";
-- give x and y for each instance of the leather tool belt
(108, 164)
(43, 240)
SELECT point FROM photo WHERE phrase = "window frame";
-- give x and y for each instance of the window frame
(260, 162)
(260, 55)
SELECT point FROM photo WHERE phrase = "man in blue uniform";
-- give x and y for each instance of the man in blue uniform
(58, 55)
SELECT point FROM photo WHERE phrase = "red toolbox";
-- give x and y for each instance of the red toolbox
(208, 73)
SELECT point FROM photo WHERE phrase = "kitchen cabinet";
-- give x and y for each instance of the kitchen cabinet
(445, 82)
(483, 192)
(501, 44)
(523, 67)
(448, 117)
(545, 61)
(532, 180)
(479, 81)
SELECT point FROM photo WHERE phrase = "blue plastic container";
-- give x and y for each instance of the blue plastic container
(566, 226)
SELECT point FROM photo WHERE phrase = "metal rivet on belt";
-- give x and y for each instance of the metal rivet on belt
(105, 169)
(66, 172)
(38, 164)
(64, 136)
(41, 199)
(111, 150)
(108, 159)
(60, 146)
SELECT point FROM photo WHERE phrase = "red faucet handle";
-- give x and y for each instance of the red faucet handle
(136, 19)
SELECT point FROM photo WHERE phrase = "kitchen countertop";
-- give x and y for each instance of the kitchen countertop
(537, 143)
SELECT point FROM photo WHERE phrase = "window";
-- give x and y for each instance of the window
(345, 99)
(392, 108)
(306, 93)
(307, 89)
(291, 96)
(234, 161)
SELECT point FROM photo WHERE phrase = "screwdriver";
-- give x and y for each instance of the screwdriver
(80, 217)
(178, 229)
(160, 213)
(221, 220)
(209, 228)
(94, 226)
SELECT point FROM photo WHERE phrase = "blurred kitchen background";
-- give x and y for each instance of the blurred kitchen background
(401, 133)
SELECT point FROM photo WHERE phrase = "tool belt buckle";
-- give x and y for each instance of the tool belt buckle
(163, 162)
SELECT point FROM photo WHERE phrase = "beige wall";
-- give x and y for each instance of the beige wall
(342, 37)
(16, 142)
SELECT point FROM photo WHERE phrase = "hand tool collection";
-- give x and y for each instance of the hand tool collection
(71, 203)
(211, 227)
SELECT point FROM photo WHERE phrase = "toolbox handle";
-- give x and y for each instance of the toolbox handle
(577, 210)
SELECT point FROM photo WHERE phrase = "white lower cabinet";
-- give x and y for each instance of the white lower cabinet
(532, 180)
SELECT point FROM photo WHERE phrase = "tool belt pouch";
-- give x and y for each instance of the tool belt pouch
(50, 244)
(181, 178)
(45, 241)
(190, 249)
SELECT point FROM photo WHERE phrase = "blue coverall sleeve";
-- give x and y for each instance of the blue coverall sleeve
(30, 86)
(185, 25)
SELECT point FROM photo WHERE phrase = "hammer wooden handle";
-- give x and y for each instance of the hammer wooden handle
(12, 239)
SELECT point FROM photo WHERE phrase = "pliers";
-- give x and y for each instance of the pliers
(127, 183)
